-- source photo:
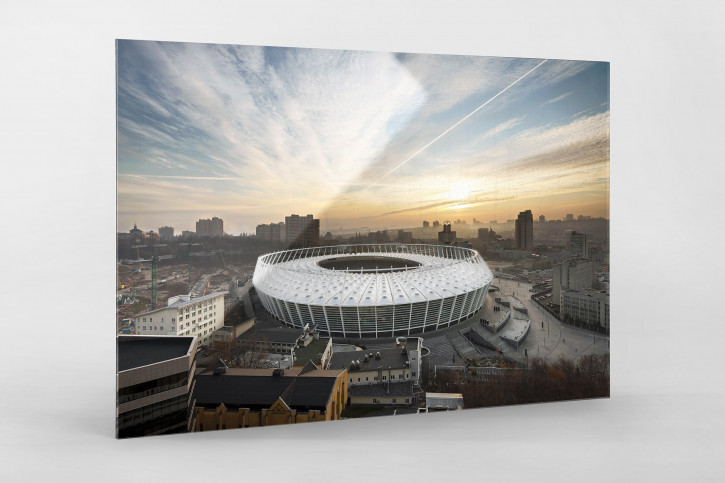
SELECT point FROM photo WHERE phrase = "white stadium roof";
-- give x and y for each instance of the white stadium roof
(444, 271)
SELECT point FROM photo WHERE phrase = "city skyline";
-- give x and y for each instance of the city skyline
(251, 134)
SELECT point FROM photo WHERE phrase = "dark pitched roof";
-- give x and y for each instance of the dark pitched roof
(257, 392)
(393, 389)
(389, 358)
(136, 351)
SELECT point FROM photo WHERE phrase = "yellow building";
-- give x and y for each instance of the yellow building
(229, 398)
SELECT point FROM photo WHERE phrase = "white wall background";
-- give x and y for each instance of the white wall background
(57, 195)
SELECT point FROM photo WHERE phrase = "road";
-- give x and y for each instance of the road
(549, 338)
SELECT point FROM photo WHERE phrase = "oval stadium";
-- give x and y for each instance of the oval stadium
(385, 290)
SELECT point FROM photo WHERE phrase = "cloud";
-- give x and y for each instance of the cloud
(556, 99)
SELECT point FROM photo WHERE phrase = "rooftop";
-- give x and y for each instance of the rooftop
(389, 359)
(275, 334)
(134, 351)
(182, 301)
(441, 271)
(258, 388)
(313, 352)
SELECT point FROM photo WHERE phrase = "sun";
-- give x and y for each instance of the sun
(459, 192)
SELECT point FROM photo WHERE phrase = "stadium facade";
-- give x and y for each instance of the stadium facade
(380, 290)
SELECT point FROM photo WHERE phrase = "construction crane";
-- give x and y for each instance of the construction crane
(154, 260)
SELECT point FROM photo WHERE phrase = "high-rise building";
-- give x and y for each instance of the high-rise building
(436, 224)
(426, 224)
(525, 231)
(264, 232)
(483, 234)
(217, 227)
(569, 217)
(302, 231)
(542, 218)
(447, 237)
(213, 227)
(571, 275)
(578, 246)
(277, 231)
(166, 233)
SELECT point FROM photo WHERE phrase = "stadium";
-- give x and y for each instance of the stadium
(386, 290)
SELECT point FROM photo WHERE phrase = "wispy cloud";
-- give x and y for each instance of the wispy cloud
(259, 132)
(556, 99)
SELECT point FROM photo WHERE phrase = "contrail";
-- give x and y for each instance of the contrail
(455, 125)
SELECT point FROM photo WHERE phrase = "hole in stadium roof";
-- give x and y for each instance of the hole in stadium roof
(357, 264)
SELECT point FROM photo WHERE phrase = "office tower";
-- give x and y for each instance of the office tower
(447, 237)
(525, 231)
(302, 231)
(578, 245)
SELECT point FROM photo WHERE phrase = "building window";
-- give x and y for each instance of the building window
(392, 376)
(393, 401)
(358, 379)
(375, 401)
(407, 376)
(367, 379)
(407, 401)
(384, 378)
(414, 374)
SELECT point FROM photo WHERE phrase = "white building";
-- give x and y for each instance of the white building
(589, 306)
(184, 315)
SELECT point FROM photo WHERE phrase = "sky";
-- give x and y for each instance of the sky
(364, 140)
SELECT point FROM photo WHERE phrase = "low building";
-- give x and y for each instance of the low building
(228, 334)
(317, 351)
(229, 398)
(184, 315)
(443, 401)
(371, 367)
(154, 384)
(388, 394)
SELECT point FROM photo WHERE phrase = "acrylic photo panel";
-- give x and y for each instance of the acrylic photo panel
(308, 235)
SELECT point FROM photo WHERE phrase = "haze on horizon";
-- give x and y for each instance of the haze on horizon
(252, 134)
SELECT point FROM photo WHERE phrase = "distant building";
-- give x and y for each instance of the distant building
(569, 217)
(589, 307)
(483, 234)
(277, 231)
(571, 275)
(405, 236)
(184, 316)
(230, 397)
(187, 234)
(525, 231)
(493, 222)
(154, 384)
(578, 245)
(542, 218)
(302, 231)
(135, 231)
(436, 224)
(166, 233)
(264, 232)
(446, 237)
(213, 227)
(426, 224)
